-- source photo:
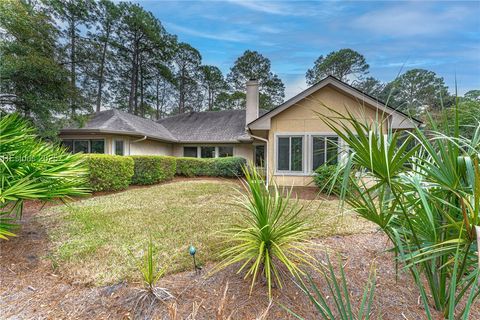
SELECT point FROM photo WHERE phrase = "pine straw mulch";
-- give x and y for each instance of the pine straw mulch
(30, 287)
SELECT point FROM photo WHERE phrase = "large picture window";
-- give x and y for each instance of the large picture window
(207, 152)
(324, 150)
(85, 146)
(226, 151)
(290, 153)
(190, 152)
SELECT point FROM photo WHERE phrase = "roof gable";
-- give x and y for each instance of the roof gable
(398, 117)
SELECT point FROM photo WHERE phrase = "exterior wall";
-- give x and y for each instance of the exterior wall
(302, 119)
(150, 147)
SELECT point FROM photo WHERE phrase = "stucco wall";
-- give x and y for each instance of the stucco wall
(150, 147)
(303, 118)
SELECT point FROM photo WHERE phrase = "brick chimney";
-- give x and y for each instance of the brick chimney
(252, 101)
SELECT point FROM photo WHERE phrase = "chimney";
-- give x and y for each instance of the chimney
(252, 101)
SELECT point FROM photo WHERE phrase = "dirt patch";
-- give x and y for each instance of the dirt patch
(31, 288)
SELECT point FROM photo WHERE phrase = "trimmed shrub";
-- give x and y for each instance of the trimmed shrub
(109, 173)
(227, 167)
(215, 167)
(323, 178)
(153, 169)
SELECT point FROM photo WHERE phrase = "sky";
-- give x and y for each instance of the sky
(394, 36)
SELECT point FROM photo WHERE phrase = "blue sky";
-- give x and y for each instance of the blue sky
(439, 36)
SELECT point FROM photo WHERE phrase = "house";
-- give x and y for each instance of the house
(290, 141)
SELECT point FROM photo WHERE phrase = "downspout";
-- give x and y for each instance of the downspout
(141, 139)
(266, 156)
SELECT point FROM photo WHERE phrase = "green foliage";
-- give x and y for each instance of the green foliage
(326, 179)
(416, 90)
(338, 292)
(340, 64)
(148, 267)
(33, 82)
(253, 65)
(33, 169)
(426, 199)
(468, 117)
(214, 167)
(271, 238)
(153, 169)
(109, 173)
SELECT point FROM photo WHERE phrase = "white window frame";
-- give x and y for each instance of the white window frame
(322, 135)
(199, 150)
(304, 154)
(307, 145)
(114, 151)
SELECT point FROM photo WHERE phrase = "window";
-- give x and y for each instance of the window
(190, 152)
(68, 144)
(85, 146)
(226, 151)
(260, 155)
(97, 146)
(119, 147)
(80, 146)
(207, 152)
(290, 154)
(324, 150)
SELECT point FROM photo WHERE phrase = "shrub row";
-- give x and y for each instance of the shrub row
(324, 176)
(153, 169)
(214, 167)
(109, 173)
(113, 173)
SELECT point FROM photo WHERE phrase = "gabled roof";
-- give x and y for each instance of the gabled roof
(211, 126)
(400, 120)
(118, 122)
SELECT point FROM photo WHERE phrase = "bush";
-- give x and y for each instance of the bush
(109, 173)
(153, 169)
(324, 177)
(215, 167)
(227, 167)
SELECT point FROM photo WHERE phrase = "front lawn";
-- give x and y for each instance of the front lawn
(94, 239)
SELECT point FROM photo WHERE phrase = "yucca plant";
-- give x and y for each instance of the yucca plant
(337, 304)
(33, 169)
(151, 272)
(271, 235)
(423, 190)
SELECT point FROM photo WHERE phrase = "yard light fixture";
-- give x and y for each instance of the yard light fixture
(192, 250)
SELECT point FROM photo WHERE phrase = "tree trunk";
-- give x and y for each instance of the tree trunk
(101, 71)
(181, 102)
(157, 98)
(133, 79)
(142, 107)
(73, 79)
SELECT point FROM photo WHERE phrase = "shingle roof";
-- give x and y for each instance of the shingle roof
(114, 121)
(211, 126)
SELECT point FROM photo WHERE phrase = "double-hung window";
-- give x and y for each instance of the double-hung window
(324, 150)
(290, 153)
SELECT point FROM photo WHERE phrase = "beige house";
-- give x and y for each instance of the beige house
(290, 141)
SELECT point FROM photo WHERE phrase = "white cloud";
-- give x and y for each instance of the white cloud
(233, 36)
(273, 7)
(410, 20)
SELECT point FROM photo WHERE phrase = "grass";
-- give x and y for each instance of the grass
(92, 238)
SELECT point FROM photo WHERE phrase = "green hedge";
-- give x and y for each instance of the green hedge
(109, 173)
(323, 178)
(153, 169)
(215, 167)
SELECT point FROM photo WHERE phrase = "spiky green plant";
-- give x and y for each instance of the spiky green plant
(272, 234)
(33, 169)
(148, 267)
(423, 191)
(337, 304)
